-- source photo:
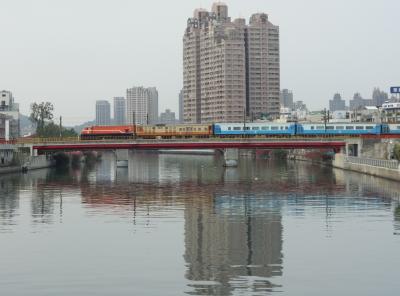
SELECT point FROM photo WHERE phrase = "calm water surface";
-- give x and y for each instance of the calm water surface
(184, 225)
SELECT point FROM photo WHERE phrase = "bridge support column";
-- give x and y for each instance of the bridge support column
(122, 157)
(231, 157)
(34, 152)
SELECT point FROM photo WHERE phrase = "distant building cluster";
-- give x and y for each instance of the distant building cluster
(9, 116)
(358, 102)
(139, 107)
(230, 69)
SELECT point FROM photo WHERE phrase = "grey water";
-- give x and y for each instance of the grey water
(184, 225)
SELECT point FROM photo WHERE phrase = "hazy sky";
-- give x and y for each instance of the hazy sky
(75, 52)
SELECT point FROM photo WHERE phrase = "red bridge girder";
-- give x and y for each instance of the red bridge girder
(194, 145)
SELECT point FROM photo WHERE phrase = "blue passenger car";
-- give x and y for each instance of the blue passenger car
(254, 129)
(393, 129)
(351, 129)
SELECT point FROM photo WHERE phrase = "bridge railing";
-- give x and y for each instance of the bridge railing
(382, 163)
(175, 140)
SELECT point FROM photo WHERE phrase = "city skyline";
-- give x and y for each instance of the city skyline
(39, 60)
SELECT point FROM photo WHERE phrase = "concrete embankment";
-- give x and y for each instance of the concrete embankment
(340, 161)
(29, 163)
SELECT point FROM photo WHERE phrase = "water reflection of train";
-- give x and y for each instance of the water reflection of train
(237, 129)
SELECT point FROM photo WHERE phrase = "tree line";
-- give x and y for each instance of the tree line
(42, 115)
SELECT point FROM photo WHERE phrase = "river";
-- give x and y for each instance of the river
(184, 225)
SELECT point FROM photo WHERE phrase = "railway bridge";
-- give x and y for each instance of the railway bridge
(230, 146)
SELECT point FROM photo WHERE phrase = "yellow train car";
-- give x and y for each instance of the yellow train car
(162, 131)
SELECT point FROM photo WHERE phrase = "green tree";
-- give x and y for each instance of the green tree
(42, 116)
(40, 113)
(52, 130)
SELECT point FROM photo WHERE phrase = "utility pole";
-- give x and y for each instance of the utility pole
(60, 126)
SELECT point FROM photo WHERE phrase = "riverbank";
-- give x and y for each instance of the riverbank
(374, 167)
(30, 163)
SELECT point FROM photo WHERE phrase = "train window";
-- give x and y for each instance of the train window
(369, 127)
(229, 128)
(312, 128)
(330, 127)
(286, 127)
(398, 127)
(236, 128)
(359, 127)
(247, 128)
(349, 127)
(340, 127)
(320, 128)
(281, 127)
(255, 128)
(274, 128)
(265, 128)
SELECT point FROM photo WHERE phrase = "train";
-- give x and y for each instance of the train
(232, 130)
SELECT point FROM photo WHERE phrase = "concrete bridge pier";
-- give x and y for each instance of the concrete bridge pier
(122, 156)
(231, 157)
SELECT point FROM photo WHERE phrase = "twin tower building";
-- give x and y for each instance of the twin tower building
(231, 70)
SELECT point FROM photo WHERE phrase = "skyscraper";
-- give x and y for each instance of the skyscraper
(142, 105)
(230, 69)
(379, 97)
(287, 99)
(153, 105)
(337, 104)
(103, 113)
(119, 111)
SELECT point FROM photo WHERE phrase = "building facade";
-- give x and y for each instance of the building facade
(230, 69)
(153, 105)
(10, 117)
(167, 117)
(337, 104)
(103, 113)
(358, 102)
(119, 111)
(379, 97)
(181, 107)
(287, 99)
(142, 105)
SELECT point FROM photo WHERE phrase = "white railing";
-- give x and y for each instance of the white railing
(388, 164)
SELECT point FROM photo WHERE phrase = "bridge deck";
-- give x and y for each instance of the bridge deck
(193, 144)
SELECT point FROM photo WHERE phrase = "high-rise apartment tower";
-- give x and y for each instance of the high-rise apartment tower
(230, 69)
(142, 105)
(103, 113)
(119, 111)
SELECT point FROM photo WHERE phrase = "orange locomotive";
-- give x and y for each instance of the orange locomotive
(108, 132)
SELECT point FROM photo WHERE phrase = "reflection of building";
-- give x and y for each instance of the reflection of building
(225, 240)
(9, 199)
(142, 168)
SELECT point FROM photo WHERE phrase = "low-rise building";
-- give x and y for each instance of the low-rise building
(167, 117)
(10, 117)
(391, 112)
